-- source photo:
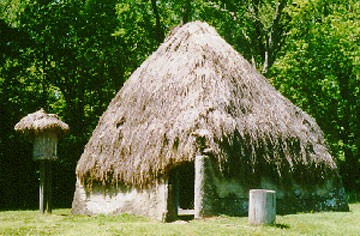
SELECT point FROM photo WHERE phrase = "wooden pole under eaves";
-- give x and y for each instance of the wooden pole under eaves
(199, 182)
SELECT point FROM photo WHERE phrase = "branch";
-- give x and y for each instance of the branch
(270, 46)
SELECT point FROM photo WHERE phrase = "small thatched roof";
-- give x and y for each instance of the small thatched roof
(40, 121)
(196, 94)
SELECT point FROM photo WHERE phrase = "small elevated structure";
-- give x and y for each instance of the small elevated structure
(43, 130)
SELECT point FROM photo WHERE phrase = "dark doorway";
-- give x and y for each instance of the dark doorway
(186, 186)
(182, 179)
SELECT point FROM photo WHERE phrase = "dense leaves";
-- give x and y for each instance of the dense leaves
(319, 70)
(70, 57)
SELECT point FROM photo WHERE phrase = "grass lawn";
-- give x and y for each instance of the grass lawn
(61, 222)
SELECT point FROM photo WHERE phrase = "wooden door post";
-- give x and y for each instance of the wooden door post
(199, 187)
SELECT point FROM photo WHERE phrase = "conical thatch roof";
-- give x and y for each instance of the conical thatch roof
(40, 121)
(197, 94)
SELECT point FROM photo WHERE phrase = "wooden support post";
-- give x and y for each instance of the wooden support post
(199, 187)
(48, 187)
(42, 187)
(262, 207)
(45, 191)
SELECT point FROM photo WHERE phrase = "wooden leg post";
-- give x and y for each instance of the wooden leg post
(48, 187)
(42, 187)
(45, 191)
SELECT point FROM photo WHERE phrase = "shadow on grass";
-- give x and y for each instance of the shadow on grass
(281, 226)
(353, 197)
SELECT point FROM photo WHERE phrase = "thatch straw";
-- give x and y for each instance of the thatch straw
(196, 94)
(40, 121)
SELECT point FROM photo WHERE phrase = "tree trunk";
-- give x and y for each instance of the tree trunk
(186, 12)
(159, 31)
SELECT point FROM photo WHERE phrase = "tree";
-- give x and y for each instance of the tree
(13, 89)
(71, 66)
(257, 28)
(319, 70)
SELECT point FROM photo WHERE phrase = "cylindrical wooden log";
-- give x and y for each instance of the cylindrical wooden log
(262, 207)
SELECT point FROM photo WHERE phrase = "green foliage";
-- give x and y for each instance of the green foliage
(319, 70)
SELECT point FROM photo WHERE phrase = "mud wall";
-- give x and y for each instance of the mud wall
(111, 201)
(229, 196)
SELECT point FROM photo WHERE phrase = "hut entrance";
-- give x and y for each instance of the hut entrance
(182, 181)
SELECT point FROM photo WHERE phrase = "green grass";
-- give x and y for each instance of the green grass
(61, 222)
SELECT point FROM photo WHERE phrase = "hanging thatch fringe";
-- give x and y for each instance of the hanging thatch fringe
(197, 94)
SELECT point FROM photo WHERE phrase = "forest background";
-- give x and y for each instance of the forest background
(70, 57)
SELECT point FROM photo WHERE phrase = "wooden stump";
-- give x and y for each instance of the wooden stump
(262, 207)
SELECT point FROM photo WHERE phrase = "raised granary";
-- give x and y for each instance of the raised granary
(43, 129)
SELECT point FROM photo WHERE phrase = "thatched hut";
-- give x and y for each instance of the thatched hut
(196, 127)
(43, 129)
